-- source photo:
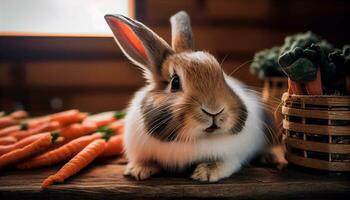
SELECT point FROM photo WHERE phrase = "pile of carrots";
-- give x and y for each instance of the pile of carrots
(69, 137)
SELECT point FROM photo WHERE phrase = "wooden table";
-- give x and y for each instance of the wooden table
(105, 180)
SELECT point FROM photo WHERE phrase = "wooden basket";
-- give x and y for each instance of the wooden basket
(318, 131)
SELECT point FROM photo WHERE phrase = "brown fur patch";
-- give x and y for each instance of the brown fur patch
(160, 119)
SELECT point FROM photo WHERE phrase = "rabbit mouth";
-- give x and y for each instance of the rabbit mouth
(212, 128)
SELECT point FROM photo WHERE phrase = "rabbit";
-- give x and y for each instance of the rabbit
(190, 111)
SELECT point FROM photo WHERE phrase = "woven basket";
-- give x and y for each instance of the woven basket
(318, 131)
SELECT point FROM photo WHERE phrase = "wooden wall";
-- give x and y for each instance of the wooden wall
(48, 73)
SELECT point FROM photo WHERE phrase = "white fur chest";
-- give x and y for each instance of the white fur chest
(141, 147)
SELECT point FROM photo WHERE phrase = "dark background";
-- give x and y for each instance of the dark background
(47, 73)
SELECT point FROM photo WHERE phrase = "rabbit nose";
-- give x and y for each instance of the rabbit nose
(211, 114)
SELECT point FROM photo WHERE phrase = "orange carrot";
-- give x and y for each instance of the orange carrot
(60, 154)
(48, 126)
(32, 123)
(78, 162)
(101, 119)
(77, 130)
(315, 87)
(68, 117)
(295, 87)
(20, 144)
(7, 140)
(8, 130)
(20, 114)
(7, 121)
(117, 127)
(12, 119)
(114, 146)
(29, 150)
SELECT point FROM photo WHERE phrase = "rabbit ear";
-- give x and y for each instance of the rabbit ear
(140, 44)
(181, 32)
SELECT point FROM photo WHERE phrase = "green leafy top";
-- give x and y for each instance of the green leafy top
(265, 63)
(106, 132)
(54, 136)
(23, 126)
(119, 114)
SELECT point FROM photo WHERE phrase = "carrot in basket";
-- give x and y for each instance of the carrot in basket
(114, 146)
(29, 150)
(78, 162)
(7, 140)
(295, 88)
(314, 87)
(60, 154)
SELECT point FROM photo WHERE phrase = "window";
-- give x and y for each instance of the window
(58, 16)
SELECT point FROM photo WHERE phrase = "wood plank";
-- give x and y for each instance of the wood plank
(239, 9)
(105, 180)
(82, 74)
(99, 74)
(230, 39)
(65, 47)
(156, 11)
(6, 75)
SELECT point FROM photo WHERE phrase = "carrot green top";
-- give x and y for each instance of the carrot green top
(119, 114)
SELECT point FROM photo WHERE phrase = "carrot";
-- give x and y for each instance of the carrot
(114, 146)
(101, 119)
(29, 150)
(295, 87)
(20, 144)
(60, 154)
(115, 127)
(68, 117)
(7, 140)
(78, 162)
(20, 114)
(12, 119)
(8, 130)
(315, 87)
(7, 121)
(77, 130)
(21, 127)
(48, 126)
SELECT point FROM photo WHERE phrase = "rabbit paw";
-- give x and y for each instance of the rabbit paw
(141, 171)
(208, 172)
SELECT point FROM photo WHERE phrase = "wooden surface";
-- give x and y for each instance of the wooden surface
(105, 180)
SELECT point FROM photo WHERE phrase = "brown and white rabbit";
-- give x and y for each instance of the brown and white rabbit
(190, 111)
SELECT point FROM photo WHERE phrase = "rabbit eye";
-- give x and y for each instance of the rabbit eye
(175, 83)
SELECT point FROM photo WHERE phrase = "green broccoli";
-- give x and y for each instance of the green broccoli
(304, 40)
(298, 68)
(265, 63)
